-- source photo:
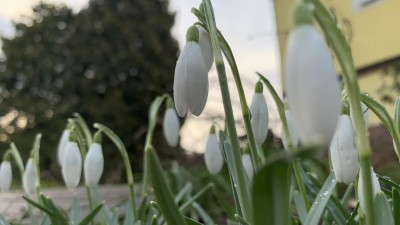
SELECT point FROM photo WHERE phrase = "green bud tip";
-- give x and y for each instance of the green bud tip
(98, 137)
(201, 8)
(301, 14)
(72, 136)
(259, 87)
(212, 129)
(170, 103)
(192, 34)
(7, 156)
(345, 108)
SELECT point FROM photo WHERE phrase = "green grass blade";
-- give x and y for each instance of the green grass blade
(301, 208)
(271, 194)
(189, 221)
(129, 218)
(397, 113)
(88, 219)
(75, 214)
(321, 201)
(45, 220)
(383, 211)
(396, 205)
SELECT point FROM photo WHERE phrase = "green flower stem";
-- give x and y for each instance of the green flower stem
(36, 160)
(128, 169)
(84, 127)
(343, 55)
(243, 191)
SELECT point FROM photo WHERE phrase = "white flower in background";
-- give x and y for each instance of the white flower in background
(312, 86)
(94, 164)
(259, 115)
(72, 164)
(248, 165)
(292, 130)
(171, 125)
(62, 143)
(29, 178)
(375, 188)
(343, 151)
(213, 156)
(5, 176)
(206, 47)
(191, 77)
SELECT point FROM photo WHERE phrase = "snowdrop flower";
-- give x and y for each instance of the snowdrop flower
(191, 78)
(248, 165)
(343, 151)
(312, 86)
(72, 163)
(5, 175)
(62, 143)
(293, 134)
(259, 115)
(171, 125)
(29, 178)
(94, 162)
(213, 156)
(375, 188)
(206, 47)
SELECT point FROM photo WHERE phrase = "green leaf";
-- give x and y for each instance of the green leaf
(383, 211)
(321, 200)
(47, 202)
(189, 221)
(88, 219)
(3, 221)
(45, 220)
(271, 190)
(397, 113)
(301, 208)
(162, 192)
(396, 205)
(75, 214)
(187, 189)
(203, 214)
(129, 219)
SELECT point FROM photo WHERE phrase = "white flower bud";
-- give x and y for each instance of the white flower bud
(248, 165)
(171, 127)
(213, 156)
(191, 79)
(312, 86)
(62, 143)
(5, 176)
(72, 165)
(343, 151)
(29, 178)
(375, 188)
(206, 47)
(94, 164)
(292, 130)
(259, 117)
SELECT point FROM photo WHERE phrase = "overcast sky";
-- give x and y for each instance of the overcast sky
(249, 29)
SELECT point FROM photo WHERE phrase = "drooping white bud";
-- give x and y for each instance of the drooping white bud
(343, 151)
(94, 164)
(213, 156)
(62, 143)
(191, 77)
(259, 115)
(248, 165)
(29, 178)
(5, 176)
(171, 127)
(206, 47)
(375, 188)
(72, 165)
(293, 133)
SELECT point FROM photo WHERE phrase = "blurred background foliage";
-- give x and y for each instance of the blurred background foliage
(106, 62)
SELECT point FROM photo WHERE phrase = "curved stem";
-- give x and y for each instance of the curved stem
(85, 128)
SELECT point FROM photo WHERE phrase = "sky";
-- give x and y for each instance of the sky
(248, 27)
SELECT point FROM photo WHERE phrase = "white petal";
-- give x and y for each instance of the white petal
(206, 47)
(312, 86)
(29, 178)
(375, 188)
(5, 176)
(62, 143)
(213, 156)
(343, 152)
(94, 164)
(292, 131)
(259, 117)
(181, 83)
(171, 127)
(248, 165)
(72, 165)
(197, 79)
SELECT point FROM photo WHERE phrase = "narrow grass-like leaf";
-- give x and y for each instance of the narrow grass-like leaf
(383, 211)
(55, 209)
(191, 200)
(38, 205)
(388, 181)
(271, 194)
(202, 213)
(190, 221)
(321, 200)
(129, 219)
(241, 220)
(396, 205)
(75, 215)
(88, 219)
(353, 215)
(162, 192)
(187, 189)
(397, 113)
(144, 205)
(45, 220)
(301, 208)
(3, 221)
